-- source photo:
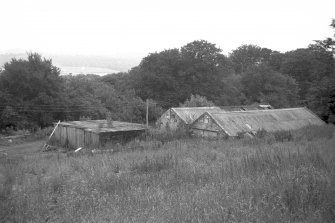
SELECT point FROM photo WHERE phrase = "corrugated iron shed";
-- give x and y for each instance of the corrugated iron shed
(189, 114)
(94, 133)
(270, 120)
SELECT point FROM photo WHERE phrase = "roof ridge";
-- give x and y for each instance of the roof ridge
(241, 105)
(255, 111)
(194, 107)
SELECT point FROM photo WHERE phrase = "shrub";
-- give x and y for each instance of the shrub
(42, 133)
(166, 135)
(283, 136)
(261, 133)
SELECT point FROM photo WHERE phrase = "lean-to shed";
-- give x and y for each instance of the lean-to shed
(182, 116)
(95, 133)
(217, 124)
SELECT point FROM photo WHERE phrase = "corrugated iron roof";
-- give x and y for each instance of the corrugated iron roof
(269, 120)
(102, 126)
(189, 114)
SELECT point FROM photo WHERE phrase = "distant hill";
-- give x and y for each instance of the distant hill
(86, 70)
(77, 64)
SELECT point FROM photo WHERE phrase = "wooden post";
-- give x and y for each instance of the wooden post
(147, 115)
(45, 146)
(54, 130)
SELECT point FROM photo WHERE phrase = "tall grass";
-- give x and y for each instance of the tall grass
(178, 180)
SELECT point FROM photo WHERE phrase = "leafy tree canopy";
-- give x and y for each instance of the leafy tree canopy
(249, 55)
(260, 83)
(171, 76)
(329, 43)
(197, 101)
(28, 83)
(25, 79)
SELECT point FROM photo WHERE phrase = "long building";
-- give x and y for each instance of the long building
(222, 124)
(185, 116)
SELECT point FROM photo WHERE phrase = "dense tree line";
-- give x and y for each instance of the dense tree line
(33, 94)
(249, 74)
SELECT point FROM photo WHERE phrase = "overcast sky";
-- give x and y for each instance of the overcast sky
(135, 28)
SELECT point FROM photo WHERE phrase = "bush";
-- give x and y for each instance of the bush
(261, 133)
(283, 136)
(42, 133)
(163, 135)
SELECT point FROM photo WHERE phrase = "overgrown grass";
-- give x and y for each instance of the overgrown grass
(264, 179)
(27, 136)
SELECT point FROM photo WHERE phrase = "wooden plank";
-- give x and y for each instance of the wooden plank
(54, 130)
(80, 138)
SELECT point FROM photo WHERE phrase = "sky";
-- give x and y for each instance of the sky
(134, 29)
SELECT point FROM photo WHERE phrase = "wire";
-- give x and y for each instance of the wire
(61, 109)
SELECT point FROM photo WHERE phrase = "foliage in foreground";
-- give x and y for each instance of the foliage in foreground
(184, 180)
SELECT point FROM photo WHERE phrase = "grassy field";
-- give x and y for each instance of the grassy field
(275, 178)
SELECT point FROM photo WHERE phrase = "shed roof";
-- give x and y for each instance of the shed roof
(102, 126)
(189, 114)
(269, 120)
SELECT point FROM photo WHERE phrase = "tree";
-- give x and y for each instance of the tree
(120, 81)
(197, 101)
(331, 107)
(170, 76)
(261, 84)
(204, 68)
(329, 43)
(246, 56)
(321, 93)
(94, 97)
(320, 98)
(157, 77)
(308, 67)
(29, 83)
(9, 117)
(25, 79)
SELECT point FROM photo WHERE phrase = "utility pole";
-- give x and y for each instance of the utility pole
(147, 115)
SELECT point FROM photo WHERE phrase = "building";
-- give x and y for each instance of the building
(181, 117)
(94, 133)
(223, 124)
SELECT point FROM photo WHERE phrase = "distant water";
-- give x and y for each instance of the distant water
(86, 70)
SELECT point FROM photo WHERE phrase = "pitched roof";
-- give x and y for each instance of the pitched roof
(102, 126)
(188, 115)
(269, 120)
